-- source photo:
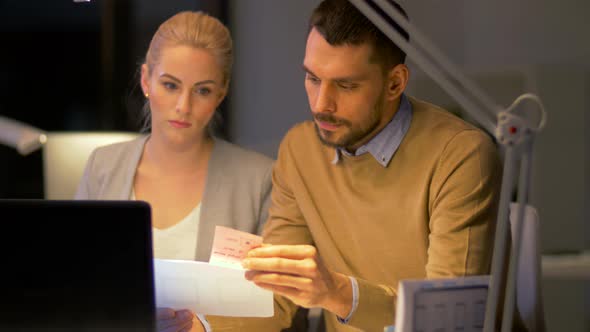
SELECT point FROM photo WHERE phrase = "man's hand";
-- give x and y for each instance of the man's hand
(297, 272)
(169, 320)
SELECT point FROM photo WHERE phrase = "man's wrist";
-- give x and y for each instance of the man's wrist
(355, 301)
(340, 300)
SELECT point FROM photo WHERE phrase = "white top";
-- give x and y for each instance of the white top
(178, 241)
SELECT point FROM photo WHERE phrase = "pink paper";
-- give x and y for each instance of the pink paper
(230, 246)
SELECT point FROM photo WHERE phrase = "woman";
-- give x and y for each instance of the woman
(192, 180)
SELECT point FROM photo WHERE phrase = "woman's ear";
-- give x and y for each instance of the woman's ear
(145, 80)
(223, 93)
(397, 80)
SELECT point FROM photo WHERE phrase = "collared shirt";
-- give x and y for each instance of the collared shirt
(383, 146)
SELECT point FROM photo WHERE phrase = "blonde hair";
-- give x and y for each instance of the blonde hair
(194, 29)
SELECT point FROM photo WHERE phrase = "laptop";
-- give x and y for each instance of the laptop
(76, 266)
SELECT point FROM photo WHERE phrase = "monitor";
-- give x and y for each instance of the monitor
(76, 266)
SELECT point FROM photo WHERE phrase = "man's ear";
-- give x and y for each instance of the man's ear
(145, 80)
(397, 80)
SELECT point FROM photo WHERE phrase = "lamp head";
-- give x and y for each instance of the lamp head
(21, 136)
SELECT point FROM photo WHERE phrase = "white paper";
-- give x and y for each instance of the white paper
(208, 289)
(451, 304)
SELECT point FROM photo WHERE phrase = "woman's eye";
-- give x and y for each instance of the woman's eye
(204, 91)
(170, 85)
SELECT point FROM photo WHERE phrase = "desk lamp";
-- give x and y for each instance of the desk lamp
(64, 153)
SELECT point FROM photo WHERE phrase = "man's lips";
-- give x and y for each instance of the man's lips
(328, 125)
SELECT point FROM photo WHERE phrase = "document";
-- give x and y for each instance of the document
(450, 304)
(215, 288)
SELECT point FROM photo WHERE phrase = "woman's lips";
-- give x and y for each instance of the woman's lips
(179, 124)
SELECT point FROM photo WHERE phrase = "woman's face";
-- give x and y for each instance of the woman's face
(184, 89)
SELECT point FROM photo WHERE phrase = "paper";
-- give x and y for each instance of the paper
(215, 288)
(450, 304)
(208, 289)
(230, 246)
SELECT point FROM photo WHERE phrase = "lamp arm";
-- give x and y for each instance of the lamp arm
(439, 59)
(433, 63)
(510, 129)
(20, 136)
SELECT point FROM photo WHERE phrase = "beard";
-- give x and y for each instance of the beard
(354, 134)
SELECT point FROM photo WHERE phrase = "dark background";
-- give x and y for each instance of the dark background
(69, 66)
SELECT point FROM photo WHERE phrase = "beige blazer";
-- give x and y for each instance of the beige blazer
(237, 188)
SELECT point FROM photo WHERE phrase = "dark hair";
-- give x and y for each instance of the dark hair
(341, 23)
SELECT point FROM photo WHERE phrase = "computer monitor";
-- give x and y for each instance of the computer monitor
(76, 266)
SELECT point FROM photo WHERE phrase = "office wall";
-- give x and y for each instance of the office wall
(508, 47)
(267, 95)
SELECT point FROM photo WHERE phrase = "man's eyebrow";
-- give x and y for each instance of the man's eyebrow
(179, 81)
(344, 79)
(308, 70)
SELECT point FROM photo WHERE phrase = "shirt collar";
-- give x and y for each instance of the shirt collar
(383, 146)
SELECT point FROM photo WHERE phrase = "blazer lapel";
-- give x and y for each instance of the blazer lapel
(209, 208)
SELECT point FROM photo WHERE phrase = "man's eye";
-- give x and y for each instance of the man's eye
(348, 86)
(170, 85)
(313, 79)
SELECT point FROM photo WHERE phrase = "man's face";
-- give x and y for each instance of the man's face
(345, 91)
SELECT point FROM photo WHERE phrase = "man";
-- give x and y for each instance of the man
(379, 187)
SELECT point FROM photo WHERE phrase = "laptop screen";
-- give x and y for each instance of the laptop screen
(76, 265)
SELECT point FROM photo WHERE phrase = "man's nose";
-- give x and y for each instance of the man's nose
(325, 100)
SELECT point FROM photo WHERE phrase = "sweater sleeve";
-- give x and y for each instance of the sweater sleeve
(286, 224)
(376, 306)
(463, 206)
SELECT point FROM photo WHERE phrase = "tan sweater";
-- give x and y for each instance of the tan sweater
(430, 213)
